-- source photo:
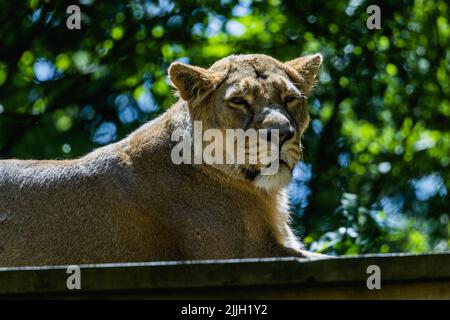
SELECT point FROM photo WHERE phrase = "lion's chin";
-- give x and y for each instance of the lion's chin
(274, 182)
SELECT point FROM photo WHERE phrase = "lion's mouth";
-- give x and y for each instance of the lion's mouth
(285, 163)
(251, 173)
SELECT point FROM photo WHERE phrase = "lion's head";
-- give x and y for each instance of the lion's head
(252, 92)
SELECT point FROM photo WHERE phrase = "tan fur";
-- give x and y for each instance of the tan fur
(128, 202)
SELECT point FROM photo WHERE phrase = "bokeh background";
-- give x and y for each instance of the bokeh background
(375, 174)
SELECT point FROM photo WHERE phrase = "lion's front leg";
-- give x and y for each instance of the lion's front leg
(290, 246)
(291, 252)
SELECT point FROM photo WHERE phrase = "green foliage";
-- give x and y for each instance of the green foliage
(375, 175)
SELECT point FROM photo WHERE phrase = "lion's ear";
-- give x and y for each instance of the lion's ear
(307, 67)
(190, 81)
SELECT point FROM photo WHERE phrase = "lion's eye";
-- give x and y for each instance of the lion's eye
(238, 100)
(289, 99)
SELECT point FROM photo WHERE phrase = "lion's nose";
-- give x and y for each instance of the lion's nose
(284, 134)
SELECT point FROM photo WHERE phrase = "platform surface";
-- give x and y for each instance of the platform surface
(403, 276)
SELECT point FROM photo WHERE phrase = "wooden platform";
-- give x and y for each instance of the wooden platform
(403, 276)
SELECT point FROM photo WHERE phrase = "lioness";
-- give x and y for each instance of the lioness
(128, 201)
